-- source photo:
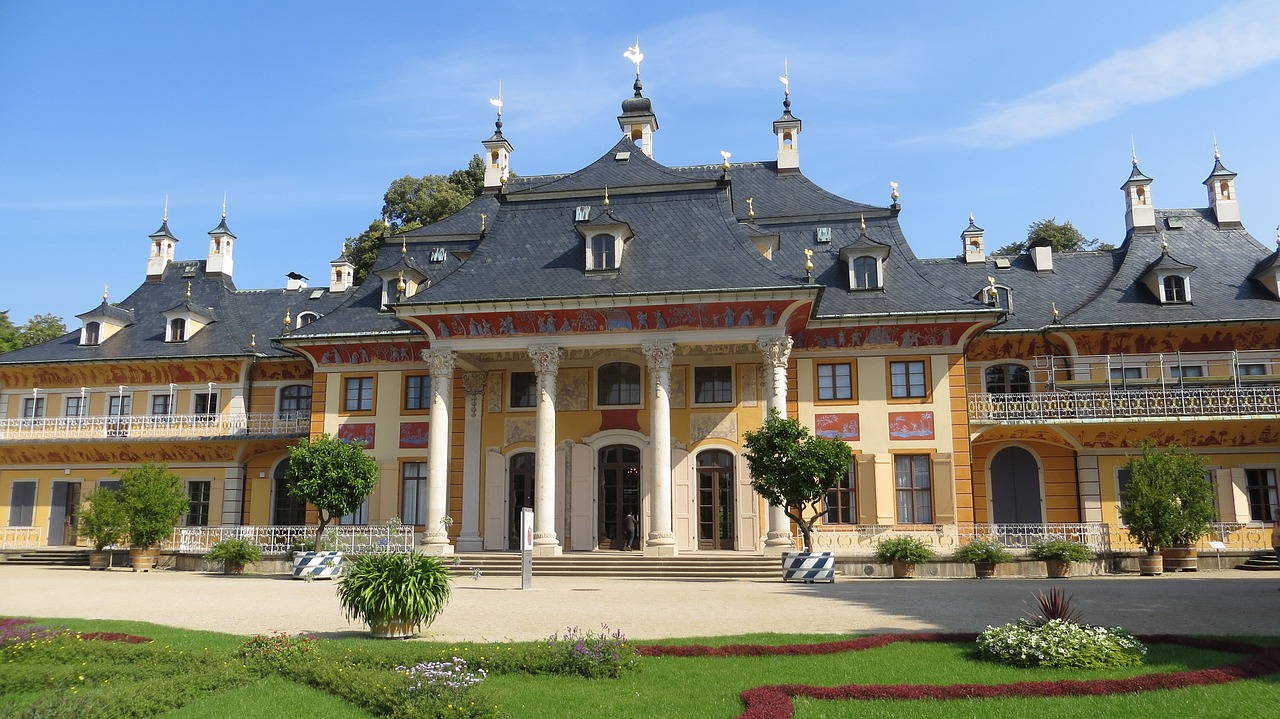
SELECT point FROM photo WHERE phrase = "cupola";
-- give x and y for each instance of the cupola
(401, 280)
(1139, 212)
(974, 244)
(220, 239)
(163, 248)
(1222, 194)
(637, 119)
(787, 129)
(497, 152)
(343, 274)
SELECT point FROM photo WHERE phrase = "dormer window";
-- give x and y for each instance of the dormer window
(604, 253)
(864, 273)
(91, 333)
(306, 318)
(177, 330)
(864, 260)
(995, 296)
(1174, 289)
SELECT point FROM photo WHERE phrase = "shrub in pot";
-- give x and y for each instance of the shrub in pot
(1167, 502)
(234, 554)
(102, 520)
(153, 501)
(1058, 553)
(904, 553)
(984, 555)
(335, 477)
(394, 594)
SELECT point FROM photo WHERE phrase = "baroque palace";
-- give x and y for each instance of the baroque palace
(595, 344)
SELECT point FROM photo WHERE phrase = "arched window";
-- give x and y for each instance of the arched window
(866, 273)
(618, 383)
(1175, 288)
(1008, 378)
(306, 318)
(295, 400)
(603, 252)
(92, 332)
(178, 330)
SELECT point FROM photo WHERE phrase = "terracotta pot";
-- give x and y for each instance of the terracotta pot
(984, 570)
(1181, 558)
(1151, 565)
(392, 629)
(904, 570)
(233, 567)
(144, 559)
(1057, 568)
(99, 560)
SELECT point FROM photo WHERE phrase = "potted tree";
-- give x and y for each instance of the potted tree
(1058, 553)
(394, 594)
(334, 477)
(792, 469)
(904, 553)
(984, 555)
(102, 520)
(1167, 504)
(153, 501)
(234, 554)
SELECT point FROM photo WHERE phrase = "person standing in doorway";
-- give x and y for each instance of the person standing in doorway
(631, 531)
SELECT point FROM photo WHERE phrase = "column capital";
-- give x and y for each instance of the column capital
(776, 350)
(659, 354)
(439, 362)
(546, 359)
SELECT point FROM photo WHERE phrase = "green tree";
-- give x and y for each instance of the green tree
(1168, 500)
(153, 501)
(333, 476)
(40, 328)
(792, 469)
(1063, 237)
(411, 202)
(10, 339)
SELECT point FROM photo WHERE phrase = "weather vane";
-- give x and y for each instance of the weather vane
(726, 155)
(497, 102)
(894, 186)
(785, 79)
(634, 55)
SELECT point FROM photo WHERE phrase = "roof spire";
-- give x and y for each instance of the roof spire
(862, 224)
(497, 102)
(253, 342)
(1133, 149)
(224, 204)
(166, 210)
(634, 55)
(104, 287)
(606, 195)
(404, 246)
(1216, 155)
(785, 79)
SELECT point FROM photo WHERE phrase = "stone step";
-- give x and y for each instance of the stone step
(622, 565)
(1261, 563)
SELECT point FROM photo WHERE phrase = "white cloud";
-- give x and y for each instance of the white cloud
(1221, 46)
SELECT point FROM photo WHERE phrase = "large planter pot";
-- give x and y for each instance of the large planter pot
(809, 567)
(984, 570)
(1151, 565)
(99, 560)
(233, 567)
(904, 570)
(1057, 568)
(391, 629)
(1180, 559)
(317, 565)
(144, 559)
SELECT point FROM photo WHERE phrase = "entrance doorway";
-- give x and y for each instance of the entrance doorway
(715, 500)
(619, 494)
(64, 510)
(286, 510)
(1015, 487)
(519, 495)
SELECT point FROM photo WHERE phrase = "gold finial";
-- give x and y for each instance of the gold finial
(288, 320)
(188, 290)
(1056, 316)
(400, 285)
(751, 208)
(862, 224)
(253, 342)
(894, 185)
(808, 260)
(404, 246)
(606, 188)
(482, 222)
(991, 281)
(726, 155)
(1164, 242)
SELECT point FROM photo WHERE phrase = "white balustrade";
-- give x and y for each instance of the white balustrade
(1101, 405)
(370, 539)
(20, 537)
(156, 426)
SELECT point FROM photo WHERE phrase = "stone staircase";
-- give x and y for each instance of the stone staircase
(623, 565)
(1261, 562)
(50, 556)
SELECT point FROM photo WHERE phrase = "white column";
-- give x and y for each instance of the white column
(661, 540)
(546, 363)
(469, 540)
(776, 351)
(440, 365)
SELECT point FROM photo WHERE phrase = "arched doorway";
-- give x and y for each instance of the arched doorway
(1015, 487)
(715, 499)
(619, 489)
(519, 494)
(286, 510)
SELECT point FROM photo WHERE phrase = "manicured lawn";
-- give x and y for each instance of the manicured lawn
(191, 674)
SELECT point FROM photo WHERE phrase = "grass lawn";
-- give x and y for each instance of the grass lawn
(189, 674)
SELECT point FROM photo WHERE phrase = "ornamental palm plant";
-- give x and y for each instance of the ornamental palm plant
(404, 589)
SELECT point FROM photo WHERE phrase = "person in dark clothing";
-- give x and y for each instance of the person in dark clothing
(631, 531)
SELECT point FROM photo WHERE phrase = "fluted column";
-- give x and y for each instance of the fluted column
(546, 363)
(469, 540)
(661, 540)
(440, 365)
(776, 351)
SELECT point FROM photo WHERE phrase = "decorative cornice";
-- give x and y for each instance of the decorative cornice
(659, 355)
(439, 363)
(776, 350)
(546, 359)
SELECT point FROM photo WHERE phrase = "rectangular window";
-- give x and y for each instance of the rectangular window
(76, 407)
(119, 406)
(524, 389)
(413, 499)
(1252, 369)
(417, 392)
(835, 381)
(32, 407)
(842, 507)
(713, 385)
(1179, 372)
(915, 494)
(161, 404)
(22, 504)
(111, 484)
(206, 403)
(1123, 477)
(1123, 373)
(358, 517)
(358, 394)
(198, 503)
(1261, 487)
(907, 380)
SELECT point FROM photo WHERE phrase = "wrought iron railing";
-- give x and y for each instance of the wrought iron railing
(20, 537)
(1123, 404)
(371, 539)
(1095, 536)
(156, 426)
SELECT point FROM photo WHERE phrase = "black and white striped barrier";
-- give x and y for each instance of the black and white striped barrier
(809, 567)
(317, 565)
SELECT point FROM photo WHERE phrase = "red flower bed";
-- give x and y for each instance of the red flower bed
(113, 637)
(774, 701)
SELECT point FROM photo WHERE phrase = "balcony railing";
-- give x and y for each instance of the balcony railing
(1124, 404)
(371, 539)
(1096, 536)
(156, 426)
(21, 537)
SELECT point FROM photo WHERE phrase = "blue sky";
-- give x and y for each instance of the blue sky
(303, 113)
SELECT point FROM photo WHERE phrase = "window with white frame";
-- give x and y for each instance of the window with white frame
(907, 380)
(417, 392)
(841, 502)
(295, 400)
(75, 407)
(914, 483)
(1007, 379)
(32, 407)
(1260, 485)
(413, 497)
(177, 330)
(357, 394)
(864, 273)
(161, 404)
(603, 253)
(206, 403)
(91, 334)
(835, 381)
(1174, 289)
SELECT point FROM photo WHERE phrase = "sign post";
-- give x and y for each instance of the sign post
(526, 548)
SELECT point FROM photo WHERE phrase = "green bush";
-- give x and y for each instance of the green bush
(279, 650)
(102, 519)
(903, 549)
(1059, 643)
(983, 550)
(153, 501)
(234, 551)
(1058, 549)
(590, 654)
(410, 588)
